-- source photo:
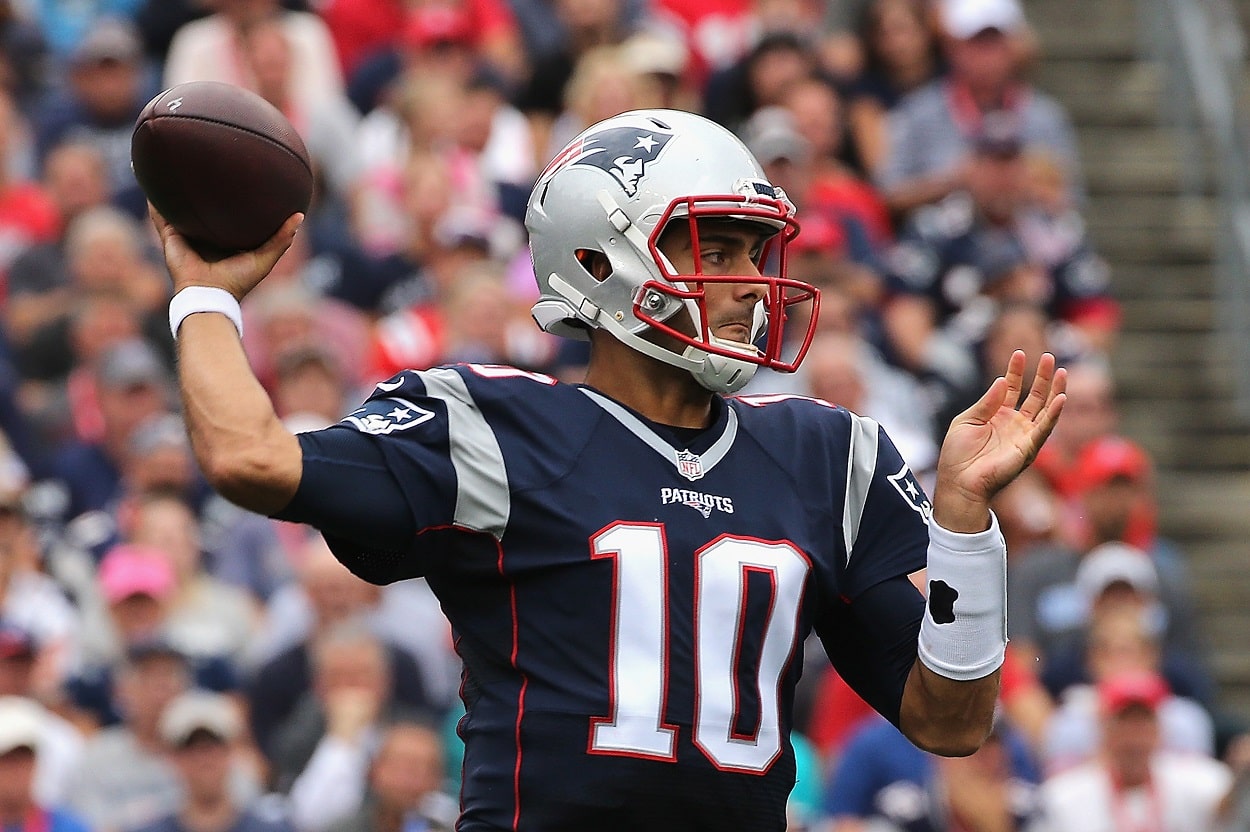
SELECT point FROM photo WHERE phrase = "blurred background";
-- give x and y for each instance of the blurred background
(972, 177)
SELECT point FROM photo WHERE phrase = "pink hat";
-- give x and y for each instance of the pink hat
(132, 569)
(1132, 687)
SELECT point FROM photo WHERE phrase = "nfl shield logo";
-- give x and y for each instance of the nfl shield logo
(689, 465)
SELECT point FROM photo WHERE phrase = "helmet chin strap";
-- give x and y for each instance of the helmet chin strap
(717, 373)
(720, 373)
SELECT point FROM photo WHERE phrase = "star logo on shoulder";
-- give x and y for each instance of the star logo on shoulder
(402, 416)
(909, 489)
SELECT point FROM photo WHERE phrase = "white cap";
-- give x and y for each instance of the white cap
(199, 710)
(1113, 563)
(964, 19)
(21, 723)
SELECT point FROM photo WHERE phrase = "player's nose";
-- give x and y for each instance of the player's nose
(748, 290)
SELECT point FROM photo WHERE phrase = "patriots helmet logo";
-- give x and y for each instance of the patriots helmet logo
(622, 152)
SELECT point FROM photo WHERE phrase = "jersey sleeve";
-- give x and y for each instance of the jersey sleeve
(871, 641)
(885, 514)
(379, 478)
(869, 630)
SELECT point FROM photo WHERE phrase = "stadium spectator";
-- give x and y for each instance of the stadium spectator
(879, 774)
(32, 601)
(401, 785)
(959, 261)
(901, 53)
(160, 462)
(130, 384)
(60, 741)
(362, 28)
(28, 216)
(1113, 487)
(351, 698)
(929, 131)
(1028, 514)
(327, 597)
(604, 83)
(76, 178)
(1121, 639)
(23, 56)
(1133, 783)
(310, 386)
(123, 780)
(473, 318)
(207, 619)
(760, 78)
(1090, 415)
(820, 117)
(201, 733)
(327, 123)
(1112, 577)
(1048, 609)
(108, 86)
(23, 735)
(660, 58)
(209, 49)
(789, 158)
(397, 142)
(980, 791)
(294, 312)
(129, 615)
(583, 26)
(158, 459)
(104, 255)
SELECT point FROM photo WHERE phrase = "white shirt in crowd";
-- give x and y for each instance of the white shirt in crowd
(1184, 796)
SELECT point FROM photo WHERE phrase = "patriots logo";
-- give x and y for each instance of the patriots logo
(622, 152)
(402, 416)
(908, 487)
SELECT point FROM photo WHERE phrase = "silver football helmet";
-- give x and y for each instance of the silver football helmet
(613, 190)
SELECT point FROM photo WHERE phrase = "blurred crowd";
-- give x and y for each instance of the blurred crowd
(170, 662)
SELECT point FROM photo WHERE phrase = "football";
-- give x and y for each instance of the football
(221, 164)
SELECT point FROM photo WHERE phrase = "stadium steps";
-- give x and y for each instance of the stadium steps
(1174, 375)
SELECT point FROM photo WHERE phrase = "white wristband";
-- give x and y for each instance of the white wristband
(963, 634)
(195, 299)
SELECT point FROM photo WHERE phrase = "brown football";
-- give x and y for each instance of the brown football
(222, 164)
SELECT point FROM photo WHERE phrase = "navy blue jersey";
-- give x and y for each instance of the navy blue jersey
(630, 605)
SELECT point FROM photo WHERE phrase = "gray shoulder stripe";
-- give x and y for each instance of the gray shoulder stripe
(630, 422)
(483, 502)
(722, 445)
(861, 465)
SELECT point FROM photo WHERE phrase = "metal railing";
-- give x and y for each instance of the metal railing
(1201, 47)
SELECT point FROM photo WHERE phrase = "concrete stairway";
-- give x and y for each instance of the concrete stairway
(1173, 374)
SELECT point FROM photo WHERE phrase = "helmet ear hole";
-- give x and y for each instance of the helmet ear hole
(595, 263)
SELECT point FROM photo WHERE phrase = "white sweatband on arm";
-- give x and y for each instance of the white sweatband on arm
(194, 299)
(963, 635)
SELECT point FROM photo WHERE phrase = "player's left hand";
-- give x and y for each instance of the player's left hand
(990, 443)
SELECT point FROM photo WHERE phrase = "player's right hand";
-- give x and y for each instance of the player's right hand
(238, 274)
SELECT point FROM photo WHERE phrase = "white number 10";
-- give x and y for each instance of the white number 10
(638, 676)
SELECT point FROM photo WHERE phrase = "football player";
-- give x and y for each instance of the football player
(631, 565)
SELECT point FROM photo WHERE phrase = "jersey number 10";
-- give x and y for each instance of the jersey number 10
(639, 673)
